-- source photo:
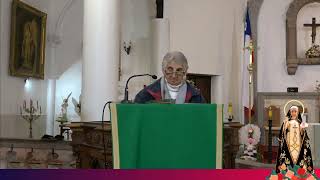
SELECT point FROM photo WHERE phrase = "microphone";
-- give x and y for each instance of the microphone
(126, 93)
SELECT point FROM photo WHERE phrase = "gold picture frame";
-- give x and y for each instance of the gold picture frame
(27, 41)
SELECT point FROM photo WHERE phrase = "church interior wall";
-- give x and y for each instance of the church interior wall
(272, 73)
(65, 57)
(68, 82)
(14, 90)
(63, 52)
(136, 17)
(210, 34)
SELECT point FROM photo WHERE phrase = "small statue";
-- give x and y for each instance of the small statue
(77, 105)
(64, 110)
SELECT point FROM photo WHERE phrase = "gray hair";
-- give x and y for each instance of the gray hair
(177, 57)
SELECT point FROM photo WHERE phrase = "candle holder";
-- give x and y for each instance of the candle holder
(270, 142)
(230, 118)
(30, 114)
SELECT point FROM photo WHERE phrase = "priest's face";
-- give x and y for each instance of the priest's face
(174, 73)
(294, 113)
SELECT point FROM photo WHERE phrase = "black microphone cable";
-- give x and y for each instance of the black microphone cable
(102, 125)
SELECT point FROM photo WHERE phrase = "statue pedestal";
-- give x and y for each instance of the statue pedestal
(88, 144)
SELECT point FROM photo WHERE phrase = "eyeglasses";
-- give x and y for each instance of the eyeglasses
(177, 72)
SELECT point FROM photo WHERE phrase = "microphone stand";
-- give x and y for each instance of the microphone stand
(126, 93)
(103, 132)
(126, 97)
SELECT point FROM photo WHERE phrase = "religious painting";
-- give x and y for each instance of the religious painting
(27, 48)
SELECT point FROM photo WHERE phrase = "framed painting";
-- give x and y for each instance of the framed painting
(27, 46)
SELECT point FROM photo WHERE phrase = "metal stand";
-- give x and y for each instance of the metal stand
(270, 142)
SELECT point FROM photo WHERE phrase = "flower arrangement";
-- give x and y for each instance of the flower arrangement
(295, 173)
(317, 86)
(249, 137)
(313, 52)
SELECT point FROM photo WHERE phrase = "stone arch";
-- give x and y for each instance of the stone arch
(291, 35)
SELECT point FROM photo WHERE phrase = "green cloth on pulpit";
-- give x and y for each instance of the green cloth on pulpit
(167, 135)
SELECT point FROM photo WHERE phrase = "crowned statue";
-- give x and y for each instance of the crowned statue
(294, 143)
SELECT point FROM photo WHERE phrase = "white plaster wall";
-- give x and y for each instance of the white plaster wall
(272, 73)
(60, 56)
(136, 16)
(13, 89)
(71, 30)
(65, 43)
(203, 31)
(210, 34)
(69, 81)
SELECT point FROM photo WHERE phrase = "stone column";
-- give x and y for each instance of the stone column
(100, 57)
(51, 104)
(160, 44)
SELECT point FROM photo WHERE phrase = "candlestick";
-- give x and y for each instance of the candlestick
(230, 108)
(270, 113)
(230, 116)
(30, 114)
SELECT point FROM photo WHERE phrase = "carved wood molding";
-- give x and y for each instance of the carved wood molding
(291, 33)
(88, 144)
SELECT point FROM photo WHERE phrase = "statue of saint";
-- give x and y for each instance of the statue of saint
(64, 109)
(294, 143)
(29, 44)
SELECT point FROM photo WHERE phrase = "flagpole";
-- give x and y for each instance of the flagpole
(250, 49)
(250, 69)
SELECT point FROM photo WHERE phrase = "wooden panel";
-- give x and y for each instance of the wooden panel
(231, 144)
(87, 142)
(203, 83)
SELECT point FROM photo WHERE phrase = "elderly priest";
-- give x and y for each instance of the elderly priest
(172, 86)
